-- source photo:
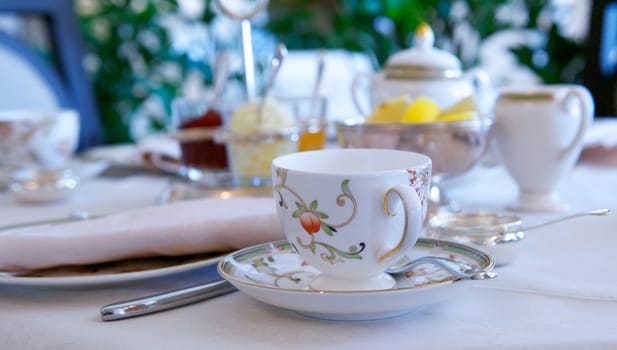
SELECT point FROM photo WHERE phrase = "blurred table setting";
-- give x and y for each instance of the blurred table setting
(223, 193)
(560, 284)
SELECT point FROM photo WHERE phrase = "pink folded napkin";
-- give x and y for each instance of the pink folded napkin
(197, 226)
(601, 143)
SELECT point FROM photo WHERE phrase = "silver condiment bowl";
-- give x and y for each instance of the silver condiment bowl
(454, 147)
(42, 186)
(497, 234)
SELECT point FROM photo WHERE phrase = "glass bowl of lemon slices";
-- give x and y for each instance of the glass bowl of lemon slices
(455, 138)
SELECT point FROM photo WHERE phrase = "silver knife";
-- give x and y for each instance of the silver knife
(165, 301)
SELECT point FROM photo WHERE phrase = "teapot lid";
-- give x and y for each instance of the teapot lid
(423, 60)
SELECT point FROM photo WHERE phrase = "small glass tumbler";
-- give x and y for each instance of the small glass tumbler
(310, 114)
(195, 121)
(259, 131)
(251, 154)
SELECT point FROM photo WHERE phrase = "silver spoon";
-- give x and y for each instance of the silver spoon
(244, 15)
(597, 212)
(221, 70)
(277, 60)
(498, 234)
(315, 93)
(456, 268)
(476, 223)
(320, 69)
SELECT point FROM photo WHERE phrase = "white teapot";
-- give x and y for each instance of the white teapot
(422, 70)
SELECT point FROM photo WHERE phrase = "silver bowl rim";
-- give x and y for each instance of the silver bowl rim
(484, 121)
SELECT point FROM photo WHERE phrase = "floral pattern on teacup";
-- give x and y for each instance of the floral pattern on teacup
(314, 221)
(41, 142)
(420, 180)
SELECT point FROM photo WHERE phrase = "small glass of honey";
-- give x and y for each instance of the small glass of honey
(310, 114)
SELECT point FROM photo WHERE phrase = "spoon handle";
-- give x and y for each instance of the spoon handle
(320, 69)
(456, 268)
(221, 71)
(248, 59)
(597, 212)
(277, 60)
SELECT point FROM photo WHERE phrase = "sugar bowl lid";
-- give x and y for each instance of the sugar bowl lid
(423, 60)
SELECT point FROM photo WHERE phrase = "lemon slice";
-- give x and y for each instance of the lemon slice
(464, 105)
(457, 117)
(390, 111)
(421, 110)
(465, 109)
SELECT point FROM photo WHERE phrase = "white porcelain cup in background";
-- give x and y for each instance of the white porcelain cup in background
(42, 138)
(351, 213)
(539, 136)
(36, 148)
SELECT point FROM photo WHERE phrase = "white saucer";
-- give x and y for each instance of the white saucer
(275, 274)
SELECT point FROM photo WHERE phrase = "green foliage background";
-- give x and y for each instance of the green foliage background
(125, 82)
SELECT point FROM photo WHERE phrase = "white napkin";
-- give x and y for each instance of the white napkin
(197, 226)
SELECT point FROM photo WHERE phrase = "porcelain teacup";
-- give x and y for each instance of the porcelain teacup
(36, 148)
(351, 213)
(45, 138)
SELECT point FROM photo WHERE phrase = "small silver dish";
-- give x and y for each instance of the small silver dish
(497, 234)
(42, 186)
(454, 147)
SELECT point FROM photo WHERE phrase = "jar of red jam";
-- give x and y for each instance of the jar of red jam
(198, 147)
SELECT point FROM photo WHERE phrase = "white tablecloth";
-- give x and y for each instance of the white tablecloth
(561, 292)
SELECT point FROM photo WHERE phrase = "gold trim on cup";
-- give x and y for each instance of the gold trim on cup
(527, 97)
(399, 245)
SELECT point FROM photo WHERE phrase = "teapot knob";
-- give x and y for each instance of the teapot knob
(424, 37)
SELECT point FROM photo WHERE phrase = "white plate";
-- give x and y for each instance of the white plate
(275, 274)
(109, 273)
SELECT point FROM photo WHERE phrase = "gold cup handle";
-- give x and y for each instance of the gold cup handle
(412, 209)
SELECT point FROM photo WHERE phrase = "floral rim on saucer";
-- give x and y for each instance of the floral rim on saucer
(275, 274)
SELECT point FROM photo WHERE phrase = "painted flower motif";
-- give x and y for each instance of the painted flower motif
(310, 222)
(313, 221)
(311, 218)
(419, 181)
